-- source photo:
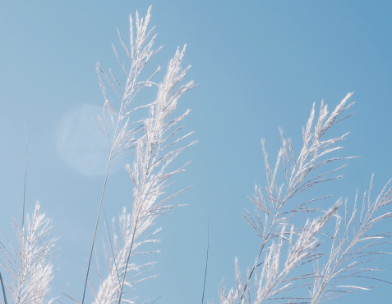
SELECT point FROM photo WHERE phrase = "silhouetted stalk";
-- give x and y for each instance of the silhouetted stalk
(127, 262)
(205, 270)
(2, 287)
(96, 225)
(24, 190)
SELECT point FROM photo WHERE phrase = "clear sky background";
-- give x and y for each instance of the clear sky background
(259, 65)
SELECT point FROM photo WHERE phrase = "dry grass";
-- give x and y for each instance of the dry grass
(155, 141)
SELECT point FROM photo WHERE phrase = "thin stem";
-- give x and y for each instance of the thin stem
(266, 239)
(100, 203)
(24, 191)
(111, 246)
(205, 271)
(96, 225)
(2, 287)
(128, 257)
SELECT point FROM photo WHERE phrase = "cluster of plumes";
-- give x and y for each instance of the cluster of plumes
(285, 248)
(29, 268)
(156, 142)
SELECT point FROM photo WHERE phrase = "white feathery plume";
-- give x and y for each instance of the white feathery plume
(30, 267)
(273, 279)
(301, 173)
(272, 220)
(352, 248)
(115, 124)
(156, 148)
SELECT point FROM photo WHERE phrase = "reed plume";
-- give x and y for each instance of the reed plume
(30, 267)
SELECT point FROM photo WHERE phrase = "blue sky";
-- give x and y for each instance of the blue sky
(259, 66)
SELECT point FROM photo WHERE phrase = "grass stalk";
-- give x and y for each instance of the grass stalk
(206, 267)
(2, 287)
(24, 188)
(96, 225)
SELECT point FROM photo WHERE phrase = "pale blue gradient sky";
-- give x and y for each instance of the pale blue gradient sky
(259, 65)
